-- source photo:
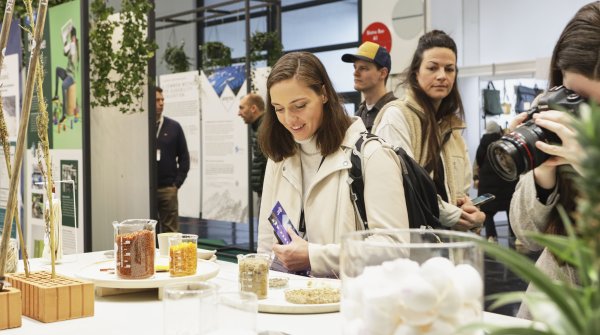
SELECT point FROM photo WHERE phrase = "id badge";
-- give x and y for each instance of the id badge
(157, 155)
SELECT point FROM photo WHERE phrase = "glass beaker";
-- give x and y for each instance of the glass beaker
(254, 273)
(183, 258)
(190, 308)
(134, 248)
(410, 280)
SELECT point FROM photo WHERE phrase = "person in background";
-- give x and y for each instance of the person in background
(173, 162)
(308, 138)
(541, 191)
(251, 110)
(372, 66)
(428, 124)
(490, 182)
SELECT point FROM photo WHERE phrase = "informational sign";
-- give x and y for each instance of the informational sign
(379, 33)
(395, 25)
(10, 89)
(62, 94)
(182, 104)
(224, 146)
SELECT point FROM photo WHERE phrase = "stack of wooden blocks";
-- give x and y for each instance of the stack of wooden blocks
(50, 299)
(10, 308)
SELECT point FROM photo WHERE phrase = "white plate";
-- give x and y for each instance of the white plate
(205, 253)
(205, 271)
(276, 303)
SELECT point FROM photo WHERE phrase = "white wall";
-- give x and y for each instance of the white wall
(119, 168)
(515, 30)
(502, 31)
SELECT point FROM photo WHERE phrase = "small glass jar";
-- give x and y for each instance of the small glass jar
(134, 248)
(254, 274)
(183, 256)
(410, 281)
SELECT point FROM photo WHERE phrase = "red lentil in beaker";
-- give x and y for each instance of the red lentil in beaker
(134, 248)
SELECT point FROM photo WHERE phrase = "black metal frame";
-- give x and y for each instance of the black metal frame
(85, 106)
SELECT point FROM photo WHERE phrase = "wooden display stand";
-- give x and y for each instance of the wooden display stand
(48, 300)
(10, 308)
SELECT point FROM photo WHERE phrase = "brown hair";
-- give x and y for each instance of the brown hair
(274, 139)
(450, 106)
(577, 50)
(578, 47)
(256, 100)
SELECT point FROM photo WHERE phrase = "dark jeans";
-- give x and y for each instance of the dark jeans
(490, 225)
(168, 209)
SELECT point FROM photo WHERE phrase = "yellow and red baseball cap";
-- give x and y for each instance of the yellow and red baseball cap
(370, 52)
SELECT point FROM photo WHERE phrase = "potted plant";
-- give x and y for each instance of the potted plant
(560, 307)
(215, 54)
(176, 59)
(265, 46)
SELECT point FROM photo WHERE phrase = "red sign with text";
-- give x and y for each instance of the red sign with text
(379, 33)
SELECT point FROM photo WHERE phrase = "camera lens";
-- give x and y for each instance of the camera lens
(502, 155)
(515, 153)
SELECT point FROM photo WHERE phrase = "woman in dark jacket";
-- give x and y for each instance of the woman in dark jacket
(490, 182)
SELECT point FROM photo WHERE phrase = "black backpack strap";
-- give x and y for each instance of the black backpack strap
(357, 181)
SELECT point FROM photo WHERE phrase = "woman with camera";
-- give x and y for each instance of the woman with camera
(308, 136)
(428, 124)
(542, 190)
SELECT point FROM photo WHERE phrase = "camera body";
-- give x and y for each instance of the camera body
(515, 153)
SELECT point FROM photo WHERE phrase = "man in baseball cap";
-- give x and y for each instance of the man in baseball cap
(372, 65)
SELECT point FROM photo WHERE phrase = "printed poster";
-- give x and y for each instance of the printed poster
(224, 146)
(182, 104)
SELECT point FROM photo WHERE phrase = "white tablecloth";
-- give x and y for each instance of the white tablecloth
(141, 313)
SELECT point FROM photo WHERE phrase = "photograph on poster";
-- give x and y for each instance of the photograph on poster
(37, 205)
(68, 172)
(232, 76)
(37, 180)
(9, 105)
(65, 107)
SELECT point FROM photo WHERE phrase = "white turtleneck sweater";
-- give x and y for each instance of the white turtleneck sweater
(310, 158)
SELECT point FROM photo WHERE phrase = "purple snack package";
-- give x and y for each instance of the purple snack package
(279, 220)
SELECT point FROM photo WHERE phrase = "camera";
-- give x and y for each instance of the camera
(515, 153)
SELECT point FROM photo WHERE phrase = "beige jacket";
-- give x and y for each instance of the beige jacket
(328, 210)
(399, 124)
(528, 214)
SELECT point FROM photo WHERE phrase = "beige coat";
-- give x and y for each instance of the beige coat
(528, 214)
(399, 124)
(328, 210)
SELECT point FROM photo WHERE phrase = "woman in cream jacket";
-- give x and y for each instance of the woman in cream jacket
(428, 124)
(308, 138)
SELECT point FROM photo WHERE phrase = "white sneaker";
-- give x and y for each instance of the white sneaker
(492, 239)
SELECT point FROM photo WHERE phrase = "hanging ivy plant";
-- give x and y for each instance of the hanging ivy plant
(215, 54)
(129, 62)
(176, 59)
(265, 46)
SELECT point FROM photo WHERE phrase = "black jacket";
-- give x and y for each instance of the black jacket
(368, 116)
(259, 161)
(174, 162)
(489, 181)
